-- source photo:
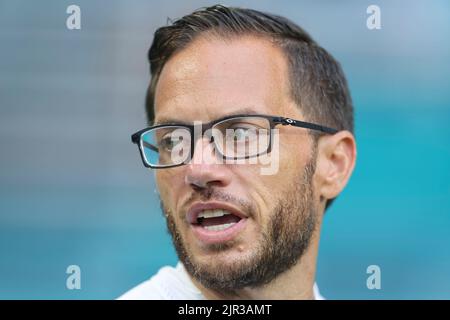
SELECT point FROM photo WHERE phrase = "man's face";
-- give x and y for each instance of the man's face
(273, 216)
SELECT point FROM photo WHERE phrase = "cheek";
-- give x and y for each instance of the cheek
(292, 162)
(289, 161)
(261, 190)
(294, 153)
(165, 184)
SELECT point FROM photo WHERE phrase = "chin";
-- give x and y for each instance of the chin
(233, 255)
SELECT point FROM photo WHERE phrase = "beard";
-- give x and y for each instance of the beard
(282, 242)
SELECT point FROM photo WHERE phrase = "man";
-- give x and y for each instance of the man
(225, 78)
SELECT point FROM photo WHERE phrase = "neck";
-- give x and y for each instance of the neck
(295, 283)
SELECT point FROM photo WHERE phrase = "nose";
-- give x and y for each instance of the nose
(204, 170)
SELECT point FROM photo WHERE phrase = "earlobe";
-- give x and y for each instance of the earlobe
(336, 161)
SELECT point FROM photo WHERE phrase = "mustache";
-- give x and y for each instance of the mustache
(214, 194)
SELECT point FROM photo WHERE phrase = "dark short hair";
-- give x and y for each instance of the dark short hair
(317, 82)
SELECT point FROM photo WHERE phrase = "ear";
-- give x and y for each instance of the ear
(335, 163)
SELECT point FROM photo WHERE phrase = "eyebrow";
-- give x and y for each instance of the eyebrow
(168, 120)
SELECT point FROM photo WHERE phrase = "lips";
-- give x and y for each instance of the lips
(195, 209)
(215, 222)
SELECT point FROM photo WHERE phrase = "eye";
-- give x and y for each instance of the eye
(240, 133)
(168, 142)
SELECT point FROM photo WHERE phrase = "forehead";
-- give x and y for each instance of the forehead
(213, 77)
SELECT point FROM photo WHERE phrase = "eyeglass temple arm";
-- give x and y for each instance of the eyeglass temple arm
(150, 146)
(308, 125)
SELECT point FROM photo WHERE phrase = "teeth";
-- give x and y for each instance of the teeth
(219, 227)
(212, 213)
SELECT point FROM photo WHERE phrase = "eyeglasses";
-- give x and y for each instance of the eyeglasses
(235, 137)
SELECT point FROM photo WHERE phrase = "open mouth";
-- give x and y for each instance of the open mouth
(216, 220)
(215, 223)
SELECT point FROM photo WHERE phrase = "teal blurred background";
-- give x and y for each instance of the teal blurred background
(73, 189)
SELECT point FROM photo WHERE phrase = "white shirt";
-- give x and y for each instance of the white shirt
(173, 284)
